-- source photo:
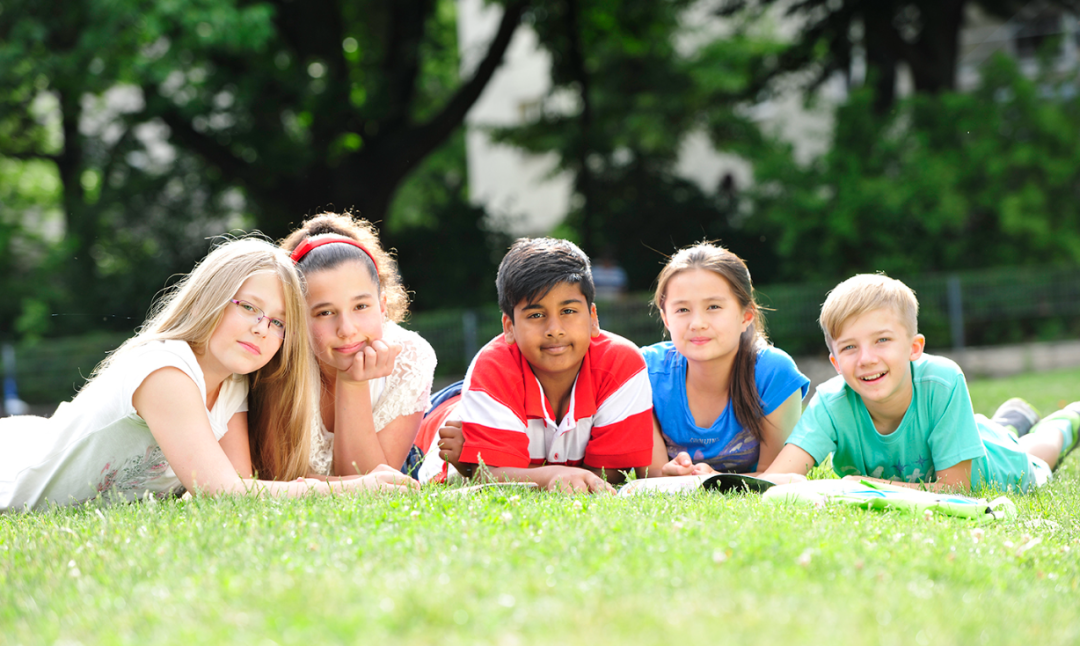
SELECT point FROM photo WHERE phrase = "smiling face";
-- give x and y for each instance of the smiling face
(873, 352)
(703, 315)
(345, 313)
(239, 346)
(554, 332)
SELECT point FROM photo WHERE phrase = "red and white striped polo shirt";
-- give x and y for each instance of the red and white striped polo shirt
(507, 421)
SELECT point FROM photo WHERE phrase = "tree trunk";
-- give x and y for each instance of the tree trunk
(581, 74)
(936, 52)
(881, 55)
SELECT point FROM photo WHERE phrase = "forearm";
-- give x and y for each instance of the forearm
(356, 444)
(397, 437)
(792, 459)
(276, 489)
(937, 485)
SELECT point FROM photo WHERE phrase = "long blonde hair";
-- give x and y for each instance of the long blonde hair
(744, 394)
(281, 399)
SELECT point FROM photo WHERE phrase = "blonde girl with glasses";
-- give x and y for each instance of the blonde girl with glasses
(375, 375)
(217, 386)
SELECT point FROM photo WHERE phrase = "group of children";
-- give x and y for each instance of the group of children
(283, 371)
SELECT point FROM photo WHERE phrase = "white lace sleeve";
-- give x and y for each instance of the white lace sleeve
(322, 447)
(408, 388)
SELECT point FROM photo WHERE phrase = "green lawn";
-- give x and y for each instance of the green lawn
(533, 568)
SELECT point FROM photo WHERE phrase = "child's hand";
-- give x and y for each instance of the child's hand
(384, 478)
(682, 465)
(374, 361)
(574, 480)
(451, 441)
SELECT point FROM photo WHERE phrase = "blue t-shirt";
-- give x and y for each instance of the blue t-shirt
(939, 430)
(726, 445)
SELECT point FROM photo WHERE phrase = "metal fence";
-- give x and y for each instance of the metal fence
(969, 308)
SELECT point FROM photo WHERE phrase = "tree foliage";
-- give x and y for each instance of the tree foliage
(944, 182)
(168, 122)
(921, 35)
(637, 94)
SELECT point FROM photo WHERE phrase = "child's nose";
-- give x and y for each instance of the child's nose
(346, 326)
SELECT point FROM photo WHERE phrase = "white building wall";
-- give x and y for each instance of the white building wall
(524, 193)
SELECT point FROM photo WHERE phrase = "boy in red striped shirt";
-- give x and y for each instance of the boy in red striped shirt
(554, 399)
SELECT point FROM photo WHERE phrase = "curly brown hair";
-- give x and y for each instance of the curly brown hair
(385, 275)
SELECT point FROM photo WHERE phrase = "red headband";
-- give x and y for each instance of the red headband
(311, 243)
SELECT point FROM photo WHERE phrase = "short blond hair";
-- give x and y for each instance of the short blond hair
(864, 293)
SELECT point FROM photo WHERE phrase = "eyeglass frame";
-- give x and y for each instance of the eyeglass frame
(259, 315)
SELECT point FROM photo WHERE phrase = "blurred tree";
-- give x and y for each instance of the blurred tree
(447, 252)
(125, 223)
(335, 105)
(943, 182)
(924, 35)
(167, 122)
(636, 95)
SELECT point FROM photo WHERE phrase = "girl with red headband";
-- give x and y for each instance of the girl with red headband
(376, 376)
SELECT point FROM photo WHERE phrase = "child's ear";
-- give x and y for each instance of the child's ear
(382, 303)
(594, 329)
(918, 344)
(748, 318)
(508, 329)
(835, 365)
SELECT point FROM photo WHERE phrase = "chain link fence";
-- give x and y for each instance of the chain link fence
(956, 310)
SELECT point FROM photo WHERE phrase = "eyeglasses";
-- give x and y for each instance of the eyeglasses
(256, 315)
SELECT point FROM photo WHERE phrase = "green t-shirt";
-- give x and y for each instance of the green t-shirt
(939, 430)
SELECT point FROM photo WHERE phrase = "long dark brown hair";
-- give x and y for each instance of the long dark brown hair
(725, 264)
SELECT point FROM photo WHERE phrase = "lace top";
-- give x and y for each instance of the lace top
(404, 392)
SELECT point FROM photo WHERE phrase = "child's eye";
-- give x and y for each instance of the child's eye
(884, 339)
(362, 306)
(569, 310)
(681, 310)
(534, 315)
(324, 313)
(246, 306)
(847, 347)
(714, 307)
(278, 323)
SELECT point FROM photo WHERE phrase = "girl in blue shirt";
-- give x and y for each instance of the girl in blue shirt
(724, 399)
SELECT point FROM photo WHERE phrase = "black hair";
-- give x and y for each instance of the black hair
(534, 266)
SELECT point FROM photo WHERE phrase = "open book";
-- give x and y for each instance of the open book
(867, 494)
(721, 482)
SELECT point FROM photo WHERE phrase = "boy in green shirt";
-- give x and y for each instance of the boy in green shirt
(897, 415)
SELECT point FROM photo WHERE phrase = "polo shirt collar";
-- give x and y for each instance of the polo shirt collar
(582, 394)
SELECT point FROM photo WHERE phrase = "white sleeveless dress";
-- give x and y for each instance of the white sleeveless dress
(97, 443)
